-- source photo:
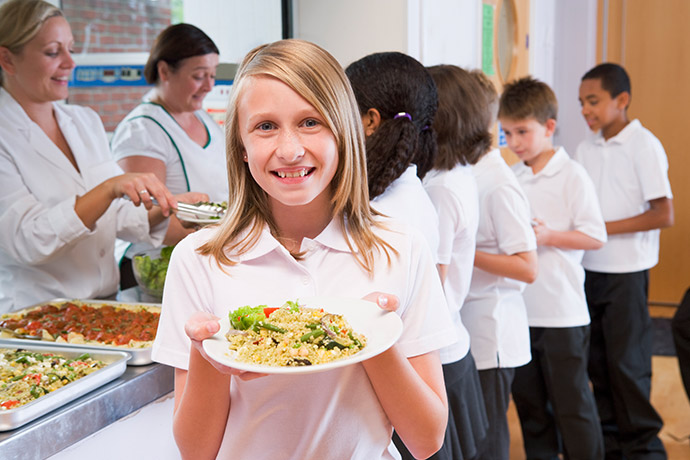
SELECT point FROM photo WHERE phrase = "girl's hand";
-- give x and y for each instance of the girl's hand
(201, 326)
(388, 302)
(140, 187)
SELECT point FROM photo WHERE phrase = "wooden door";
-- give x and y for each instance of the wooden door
(650, 39)
(510, 48)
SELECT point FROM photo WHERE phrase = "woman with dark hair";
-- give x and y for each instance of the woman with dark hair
(169, 134)
(397, 101)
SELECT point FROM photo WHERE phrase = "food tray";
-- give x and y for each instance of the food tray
(139, 356)
(116, 365)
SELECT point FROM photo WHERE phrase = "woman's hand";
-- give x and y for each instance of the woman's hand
(140, 188)
(187, 227)
(201, 326)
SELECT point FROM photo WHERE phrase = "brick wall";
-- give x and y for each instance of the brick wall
(114, 26)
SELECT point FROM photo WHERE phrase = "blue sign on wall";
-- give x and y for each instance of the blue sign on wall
(108, 75)
(501, 136)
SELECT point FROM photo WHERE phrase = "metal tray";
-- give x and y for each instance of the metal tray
(139, 356)
(116, 365)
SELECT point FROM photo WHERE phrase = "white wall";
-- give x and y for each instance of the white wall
(352, 29)
(562, 49)
(236, 26)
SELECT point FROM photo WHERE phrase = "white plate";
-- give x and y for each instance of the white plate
(381, 328)
(194, 219)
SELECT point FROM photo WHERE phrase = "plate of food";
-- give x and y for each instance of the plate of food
(205, 212)
(304, 336)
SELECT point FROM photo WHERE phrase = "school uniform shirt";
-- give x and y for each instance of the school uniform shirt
(494, 311)
(45, 250)
(405, 200)
(454, 194)
(150, 131)
(628, 171)
(563, 196)
(322, 415)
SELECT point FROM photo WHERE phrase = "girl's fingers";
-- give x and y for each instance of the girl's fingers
(385, 301)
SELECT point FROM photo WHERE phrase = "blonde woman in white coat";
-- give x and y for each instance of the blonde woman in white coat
(61, 204)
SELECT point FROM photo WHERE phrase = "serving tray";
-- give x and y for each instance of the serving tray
(116, 363)
(139, 356)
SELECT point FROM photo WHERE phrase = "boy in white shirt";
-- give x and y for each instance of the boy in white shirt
(629, 168)
(552, 393)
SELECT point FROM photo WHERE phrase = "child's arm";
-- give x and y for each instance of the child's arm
(571, 239)
(521, 266)
(411, 391)
(202, 398)
(659, 215)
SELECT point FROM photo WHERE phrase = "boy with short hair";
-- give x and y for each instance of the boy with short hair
(629, 168)
(551, 392)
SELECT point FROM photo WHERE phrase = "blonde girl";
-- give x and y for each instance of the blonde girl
(299, 225)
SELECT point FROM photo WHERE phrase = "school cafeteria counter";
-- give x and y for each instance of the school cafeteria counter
(45, 436)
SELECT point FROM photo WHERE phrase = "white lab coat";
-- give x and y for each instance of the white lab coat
(45, 249)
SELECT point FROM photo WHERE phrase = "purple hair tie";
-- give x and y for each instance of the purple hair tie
(403, 114)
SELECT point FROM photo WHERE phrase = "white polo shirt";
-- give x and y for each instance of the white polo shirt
(405, 200)
(320, 415)
(563, 196)
(628, 171)
(494, 311)
(454, 194)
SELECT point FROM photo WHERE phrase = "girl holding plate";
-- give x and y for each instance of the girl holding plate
(299, 221)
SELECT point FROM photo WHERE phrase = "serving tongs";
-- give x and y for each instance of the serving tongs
(195, 209)
(17, 335)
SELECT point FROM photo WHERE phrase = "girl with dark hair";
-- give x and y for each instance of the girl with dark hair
(397, 101)
(169, 134)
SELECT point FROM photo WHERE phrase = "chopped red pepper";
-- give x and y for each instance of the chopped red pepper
(10, 404)
(269, 310)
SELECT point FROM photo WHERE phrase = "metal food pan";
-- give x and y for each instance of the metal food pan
(116, 364)
(140, 356)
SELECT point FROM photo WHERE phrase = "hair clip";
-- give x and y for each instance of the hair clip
(403, 114)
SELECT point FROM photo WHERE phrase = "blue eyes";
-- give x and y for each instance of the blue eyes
(308, 123)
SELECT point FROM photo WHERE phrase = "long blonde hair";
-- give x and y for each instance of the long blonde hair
(316, 76)
(20, 22)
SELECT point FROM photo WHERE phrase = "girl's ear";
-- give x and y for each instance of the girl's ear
(371, 121)
(6, 61)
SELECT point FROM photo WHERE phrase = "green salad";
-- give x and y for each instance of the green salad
(151, 272)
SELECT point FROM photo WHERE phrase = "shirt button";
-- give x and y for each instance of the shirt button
(305, 280)
(102, 253)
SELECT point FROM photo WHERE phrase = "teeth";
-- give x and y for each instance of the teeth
(300, 173)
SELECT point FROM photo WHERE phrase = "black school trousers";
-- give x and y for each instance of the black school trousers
(620, 364)
(553, 398)
(681, 338)
(496, 385)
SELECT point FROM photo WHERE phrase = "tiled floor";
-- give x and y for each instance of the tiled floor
(668, 397)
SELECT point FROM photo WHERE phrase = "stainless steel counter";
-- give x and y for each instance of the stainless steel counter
(137, 387)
